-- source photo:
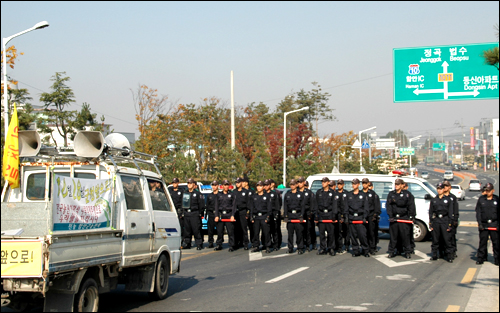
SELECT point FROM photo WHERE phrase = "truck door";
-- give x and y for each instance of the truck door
(138, 226)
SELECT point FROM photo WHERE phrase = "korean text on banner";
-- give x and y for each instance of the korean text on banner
(10, 162)
(81, 203)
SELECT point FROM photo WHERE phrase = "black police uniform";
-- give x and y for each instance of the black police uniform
(193, 208)
(261, 215)
(440, 218)
(211, 203)
(357, 210)
(343, 237)
(293, 208)
(226, 207)
(275, 221)
(400, 206)
(242, 207)
(309, 234)
(176, 196)
(454, 222)
(487, 213)
(374, 212)
(326, 209)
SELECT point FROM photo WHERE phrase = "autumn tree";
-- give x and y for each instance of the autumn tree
(491, 55)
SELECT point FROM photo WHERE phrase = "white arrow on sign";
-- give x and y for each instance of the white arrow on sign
(464, 93)
(418, 91)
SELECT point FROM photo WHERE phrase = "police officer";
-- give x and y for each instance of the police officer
(245, 185)
(401, 211)
(225, 210)
(440, 219)
(275, 220)
(410, 226)
(210, 213)
(242, 206)
(370, 186)
(261, 214)
(487, 213)
(193, 206)
(326, 210)
(309, 204)
(293, 209)
(374, 212)
(357, 213)
(454, 218)
(337, 236)
(176, 195)
(345, 234)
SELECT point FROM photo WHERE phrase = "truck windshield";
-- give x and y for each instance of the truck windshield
(35, 186)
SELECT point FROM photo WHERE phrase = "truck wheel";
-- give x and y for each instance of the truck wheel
(419, 231)
(87, 298)
(161, 278)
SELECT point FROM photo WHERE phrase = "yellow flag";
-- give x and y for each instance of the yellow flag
(10, 162)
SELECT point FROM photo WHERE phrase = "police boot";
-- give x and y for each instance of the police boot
(218, 248)
(268, 250)
(321, 252)
(367, 255)
(290, 251)
(450, 258)
(356, 254)
(300, 251)
(333, 252)
(211, 245)
(392, 255)
(199, 247)
(407, 255)
(231, 249)
(479, 261)
(434, 257)
(257, 249)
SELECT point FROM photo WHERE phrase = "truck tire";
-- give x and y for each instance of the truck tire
(161, 278)
(419, 231)
(87, 298)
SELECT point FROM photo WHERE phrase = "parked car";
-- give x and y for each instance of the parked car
(475, 185)
(456, 167)
(458, 191)
(425, 175)
(448, 175)
(465, 166)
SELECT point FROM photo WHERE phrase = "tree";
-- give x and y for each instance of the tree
(491, 55)
(61, 97)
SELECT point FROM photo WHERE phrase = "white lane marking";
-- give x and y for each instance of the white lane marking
(470, 205)
(401, 277)
(350, 307)
(257, 256)
(391, 263)
(277, 279)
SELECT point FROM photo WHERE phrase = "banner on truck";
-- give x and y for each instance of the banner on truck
(81, 203)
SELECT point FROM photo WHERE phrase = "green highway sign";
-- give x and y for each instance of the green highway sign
(439, 73)
(406, 151)
(438, 146)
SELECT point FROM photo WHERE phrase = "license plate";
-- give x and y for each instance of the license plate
(22, 258)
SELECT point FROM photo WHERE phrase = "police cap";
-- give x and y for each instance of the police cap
(267, 182)
(325, 179)
(440, 186)
(446, 183)
(191, 181)
(340, 181)
(332, 183)
(488, 187)
(215, 183)
(365, 180)
(301, 179)
(260, 183)
(293, 182)
(239, 180)
(175, 180)
(355, 181)
(399, 181)
(225, 182)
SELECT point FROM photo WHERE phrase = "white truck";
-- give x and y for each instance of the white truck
(61, 254)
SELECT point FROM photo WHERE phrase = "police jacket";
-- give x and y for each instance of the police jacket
(341, 198)
(226, 205)
(373, 203)
(309, 201)
(274, 198)
(242, 198)
(260, 206)
(400, 205)
(441, 210)
(293, 205)
(326, 205)
(356, 206)
(487, 211)
(212, 203)
(193, 203)
(176, 196)
(454, 200)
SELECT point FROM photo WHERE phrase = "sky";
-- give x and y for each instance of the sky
(187, 50)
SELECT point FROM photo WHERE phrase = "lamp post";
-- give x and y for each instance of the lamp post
(4, 65)
(412, 139)
(461, 151)
(284, 141)
(361, 148)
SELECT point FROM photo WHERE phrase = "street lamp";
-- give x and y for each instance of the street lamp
(461, 151)
(361, 148)
(412, 139)
(484, 151)
(284, 142)
(40, 25)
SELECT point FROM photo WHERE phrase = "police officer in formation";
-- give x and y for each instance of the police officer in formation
(275, 219)
(440, 219)
(242, 196)
(374, 212)
(326, 217)
(225, 211)
(401, 210)
(454, 217)
(211, 204)
(193, 206)
(261, 215)
(344, 233)
(370, 186)
(176, 195)
(487, 213)
(309, 205)
(293, 210)
(410, 225)
(357, 214)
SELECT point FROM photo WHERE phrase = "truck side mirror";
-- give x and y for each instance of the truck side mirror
(427, 197)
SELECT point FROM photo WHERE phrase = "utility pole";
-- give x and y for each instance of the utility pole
(232, 113)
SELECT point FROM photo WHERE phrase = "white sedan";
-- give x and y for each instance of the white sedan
(475, 185)
(458, 191)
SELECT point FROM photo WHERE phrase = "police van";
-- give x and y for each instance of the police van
(382, 185)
